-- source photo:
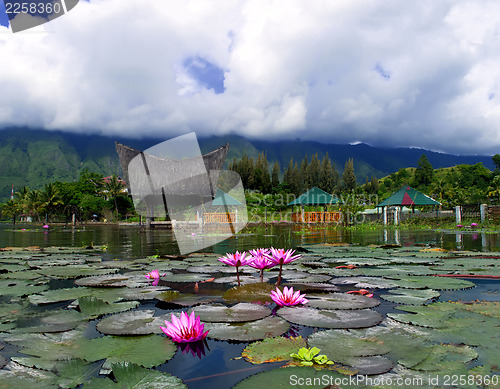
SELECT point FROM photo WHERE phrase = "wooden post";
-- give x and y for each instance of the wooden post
(482, 209)
(458, 214)
(385, 216)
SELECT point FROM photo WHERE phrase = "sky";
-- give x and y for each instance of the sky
(387, 73)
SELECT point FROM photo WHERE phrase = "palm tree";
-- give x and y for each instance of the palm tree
(49, 199)
(113, 187)
(494, 189)
(10, 209)
(441, 188)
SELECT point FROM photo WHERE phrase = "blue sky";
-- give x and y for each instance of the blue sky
(384, 72)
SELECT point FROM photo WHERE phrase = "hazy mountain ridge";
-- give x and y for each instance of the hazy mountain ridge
(30, 157)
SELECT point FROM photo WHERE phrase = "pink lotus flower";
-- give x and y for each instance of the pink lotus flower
(261, 261)
(237, 259)
(288, 298)
(186, 329)
(280, 257)
(46, 226)
(154, 275)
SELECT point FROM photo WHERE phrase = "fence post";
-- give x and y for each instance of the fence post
(482, 210)
(396, 216)
(458, 214)
(385, 216)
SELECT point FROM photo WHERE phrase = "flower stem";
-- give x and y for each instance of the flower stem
(261, 275)
(279, 276)
(237, 275)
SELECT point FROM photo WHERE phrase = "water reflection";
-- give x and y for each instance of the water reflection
(132, 242)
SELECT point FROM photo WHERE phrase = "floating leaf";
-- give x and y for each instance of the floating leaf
(341, 301)
(186, 277)
(411, 296)
(438, 283)
(330, 319)
(143, 293)
(113, 281)
(11, 287)
(18, 376)
(58, 295)
(74, 372)
(370, 365)
(364, 282)
(75, 271)
(185, 299)
(147, 351)
(268, 327)
(442, 358)
(300, 377)
(92, 307)
(249, 293)
(272, 349)
(131, 323)
(241, 312)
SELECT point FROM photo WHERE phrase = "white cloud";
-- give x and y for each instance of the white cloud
(387, 72)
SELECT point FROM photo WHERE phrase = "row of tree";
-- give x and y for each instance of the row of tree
(91, 195)
(297, 177)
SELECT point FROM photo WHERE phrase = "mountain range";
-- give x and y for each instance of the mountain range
(33, 157)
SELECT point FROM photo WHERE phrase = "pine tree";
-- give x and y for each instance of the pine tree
(275, 178)
(424, 172)
(348, 176)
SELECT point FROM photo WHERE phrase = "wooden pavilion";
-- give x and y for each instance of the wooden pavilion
(315, 196)
(406, 196)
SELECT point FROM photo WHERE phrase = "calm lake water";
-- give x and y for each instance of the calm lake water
(131, 242)
(218, 366)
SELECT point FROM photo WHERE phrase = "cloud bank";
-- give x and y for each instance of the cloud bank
(387, 73)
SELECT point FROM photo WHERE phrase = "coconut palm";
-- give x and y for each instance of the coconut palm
(49, 199)
(113, 187)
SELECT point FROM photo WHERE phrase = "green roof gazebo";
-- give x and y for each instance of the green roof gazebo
(223, 199)
(406, 196)
(315, 196)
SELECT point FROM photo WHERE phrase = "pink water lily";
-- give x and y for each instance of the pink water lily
(186, 329)
(280, 257)
(237, 259)
(288, 297)
(154, 275)
(261, 261)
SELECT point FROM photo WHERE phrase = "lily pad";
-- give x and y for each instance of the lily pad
(411, 296)
(142, 293)
(131, 323)
(364, 282)
(11, 287)
(284, 378)
(184, 277)
(129, 375)
(74, 372)
(340, 345)
(312, 317)
(114, 281)
(312, 287)
(75, 271)
(242, 312)
(268, 327)
(92, 307)
(272, 350)
(147, 351)
(370, 365)
(186, 299)
(58, 295)
(341, 301)
(438, 283)
(251, 292)
(443, 358)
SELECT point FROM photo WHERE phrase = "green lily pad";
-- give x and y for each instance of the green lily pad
(365, 282)
(443, 358)
(58, 295)
(142, 293)
(312, 317)
(18, 376)
(341, 301)
(340, 345)
(297, 377)
(268, 327)
(131, 323)
(370, 365)
(57, 321)
(411, 296)
(438, 283)
(3, 361)
(35, 362)
(114, 281)
(272, 349)
(184, 277)
(312, 287)
(186, 299)
(249, 293)
(147, 351)
(28, 275)
(92, 307)
(75, 271)
(242, 312)
(132, 376)
(11, 287)
(74, 372)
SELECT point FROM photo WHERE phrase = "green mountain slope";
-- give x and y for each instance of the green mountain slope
(30, 157)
